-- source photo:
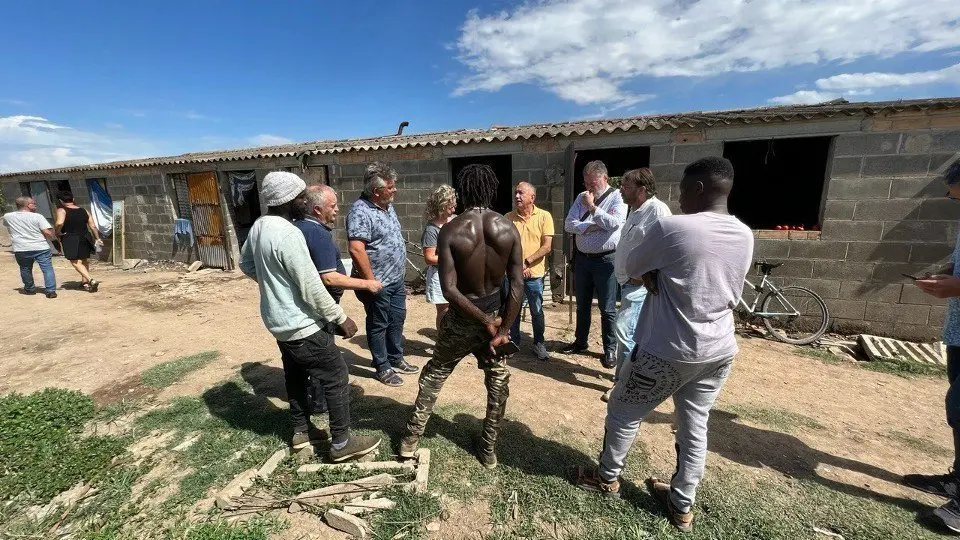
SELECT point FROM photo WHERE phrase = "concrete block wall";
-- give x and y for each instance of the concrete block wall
(149, 214)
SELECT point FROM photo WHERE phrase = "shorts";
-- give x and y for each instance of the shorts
(434, 292)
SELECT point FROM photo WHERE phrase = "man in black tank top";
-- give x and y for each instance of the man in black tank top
(476, 251)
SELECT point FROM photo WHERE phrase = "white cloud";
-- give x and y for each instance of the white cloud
(265, 139)
(804, 97)
(586, 51)
(16, 102)
(33, 142)
(854, 81)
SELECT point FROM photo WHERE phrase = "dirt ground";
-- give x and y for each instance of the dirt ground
(99, 343)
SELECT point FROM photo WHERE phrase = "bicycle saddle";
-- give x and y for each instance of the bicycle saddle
(767, 267)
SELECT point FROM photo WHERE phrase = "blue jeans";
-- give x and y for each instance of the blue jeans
(533, 289)
(594, 276)
(953, 400)
(631, 301)
(25, 260)
(386, 311)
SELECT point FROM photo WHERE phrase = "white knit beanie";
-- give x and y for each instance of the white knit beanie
(281, 187)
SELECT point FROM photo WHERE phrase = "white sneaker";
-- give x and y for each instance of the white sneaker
(540, 350)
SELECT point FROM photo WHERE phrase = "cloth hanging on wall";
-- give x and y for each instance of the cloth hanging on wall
(241, 184)
(101, 208)
(183, 232)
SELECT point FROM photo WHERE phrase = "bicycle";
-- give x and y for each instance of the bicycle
(791, 314)
(418, 285)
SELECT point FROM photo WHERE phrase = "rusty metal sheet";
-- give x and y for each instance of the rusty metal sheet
(208, 220)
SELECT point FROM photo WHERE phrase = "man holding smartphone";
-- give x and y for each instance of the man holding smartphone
(476, 251)
(946, 284)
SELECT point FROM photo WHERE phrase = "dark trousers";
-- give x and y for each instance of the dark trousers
(386, 311)
(595, 276)
(953, 401)
(25, 260)
(317, 357)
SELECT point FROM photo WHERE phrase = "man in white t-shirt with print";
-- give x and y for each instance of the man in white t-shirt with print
(693, 265)
(29, 233)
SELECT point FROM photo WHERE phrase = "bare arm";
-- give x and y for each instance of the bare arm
(511, 309)
(58, 218)
(361, 261)
(336, 279)
(50, 234)
(546, 244)
(93, 227)
(430, 256)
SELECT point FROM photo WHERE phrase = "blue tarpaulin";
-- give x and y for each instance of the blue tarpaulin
(101, 207)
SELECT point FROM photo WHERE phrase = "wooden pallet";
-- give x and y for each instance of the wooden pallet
(888, 349)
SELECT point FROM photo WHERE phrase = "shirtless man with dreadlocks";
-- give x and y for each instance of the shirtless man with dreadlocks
(476, 250)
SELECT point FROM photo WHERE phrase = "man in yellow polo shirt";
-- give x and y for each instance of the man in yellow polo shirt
(536, 239)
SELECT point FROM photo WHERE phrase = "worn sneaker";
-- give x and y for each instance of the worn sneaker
(944, 485)
(358, 445)
(403, 367)
(660, 490)
(28, 292)
(574, 348)
(94, 286)
(51, 294)
(947, 515)
(588, 479)
(486, 455)
(389, 377)
(409, 446)
(303, 439)
(540, 350)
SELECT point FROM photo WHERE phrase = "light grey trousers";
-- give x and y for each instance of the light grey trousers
(645, 382)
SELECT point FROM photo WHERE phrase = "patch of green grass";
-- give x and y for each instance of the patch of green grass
(285, 482)
(825, 356)
(778, 418)
(409, 518)
(255, 529)
(238, 431)
(113, 411)
(167, 373)
(919, 444)
(42, 450)
(904, 369)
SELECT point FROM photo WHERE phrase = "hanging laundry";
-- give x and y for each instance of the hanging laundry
(101, 207)
(183, 232)
(241, 184)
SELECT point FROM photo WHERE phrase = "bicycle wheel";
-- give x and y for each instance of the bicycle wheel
(794, 315)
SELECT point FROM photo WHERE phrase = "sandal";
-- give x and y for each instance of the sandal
(94, 285)
(660, 490)
(588, 479)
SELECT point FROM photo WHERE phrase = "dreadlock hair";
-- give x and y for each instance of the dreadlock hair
(477, 185)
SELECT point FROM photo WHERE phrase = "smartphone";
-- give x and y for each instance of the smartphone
(910, 277)
(507, 348)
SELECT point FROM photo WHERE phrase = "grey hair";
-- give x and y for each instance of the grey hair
(317, 195)
(23, 201)
(952, 176)
(595, 167)
(377, 176)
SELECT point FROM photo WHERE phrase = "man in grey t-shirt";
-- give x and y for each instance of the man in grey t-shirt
(693, 266)
(29, 233)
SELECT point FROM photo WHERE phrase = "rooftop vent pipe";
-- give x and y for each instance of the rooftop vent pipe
(402, 125)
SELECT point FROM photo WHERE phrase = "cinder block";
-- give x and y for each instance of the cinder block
(888, 312)
(858, 189)
(917, 143)
(661, 154)
(868, 290)
(529, 161)
(845, 167)
(796, 268)
(688, 153)
(893, 272)
(353, 169)
(946, 142)
(912, 294)
(852, 231)
(930, 253)
(667, 173)
(866, 144)
(939, 209)
(940, 162)
(915, 332)
(432, 165)
(815, 249)
(902, 165)
(826, 288)
(937, 316)
(770, 249)
(859, 326)
(847, 309)
(842, 270)
(405, 167)
(839, 210)
(878, 252)
(905, 188)
(919, 231)
(889, 210)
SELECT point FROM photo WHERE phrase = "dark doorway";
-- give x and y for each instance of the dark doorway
(778, 181)
(245, 199)
(502, 166)
(617, 160)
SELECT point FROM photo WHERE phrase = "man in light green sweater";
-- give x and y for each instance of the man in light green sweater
(297, 309)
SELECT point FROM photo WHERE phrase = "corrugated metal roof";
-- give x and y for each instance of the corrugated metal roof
(787, 113)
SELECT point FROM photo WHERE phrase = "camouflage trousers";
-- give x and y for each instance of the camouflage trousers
(458, 336)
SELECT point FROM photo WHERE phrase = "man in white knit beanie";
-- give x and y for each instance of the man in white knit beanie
(297, 309)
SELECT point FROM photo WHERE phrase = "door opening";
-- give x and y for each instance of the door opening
(502, 166)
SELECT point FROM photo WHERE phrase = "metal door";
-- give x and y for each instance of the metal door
(208, 219)
(40, 194)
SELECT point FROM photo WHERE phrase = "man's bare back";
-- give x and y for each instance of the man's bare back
(476, 251)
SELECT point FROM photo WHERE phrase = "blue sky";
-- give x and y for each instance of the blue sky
(94, 81)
